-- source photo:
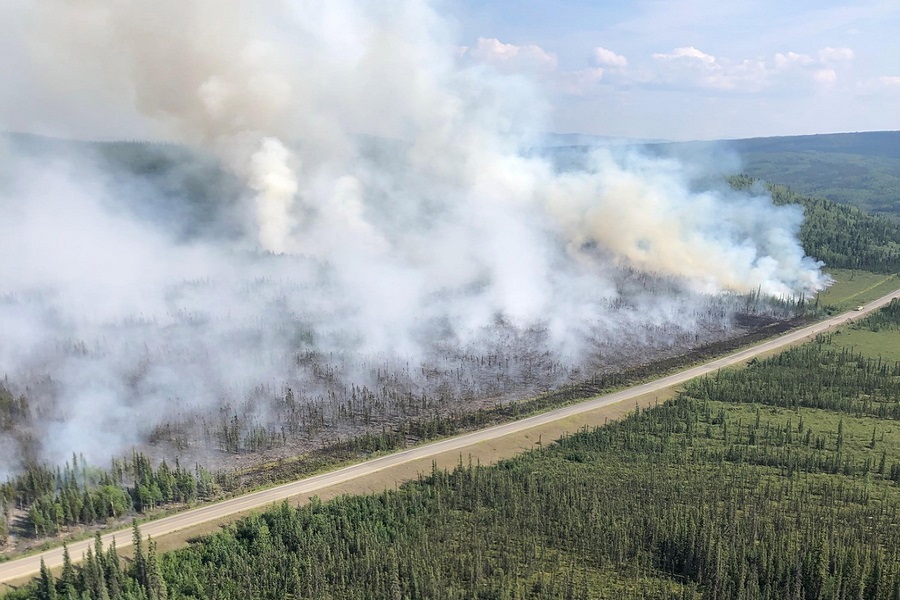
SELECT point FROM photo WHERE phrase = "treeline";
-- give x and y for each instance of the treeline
(102, 576)
(13, 412)
(78, 494)
(713, 495)
(842, 236)
(887, 318)
(816, 376)
(383, 416)
(812, 376)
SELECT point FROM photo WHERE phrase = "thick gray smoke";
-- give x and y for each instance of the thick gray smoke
(388, 209)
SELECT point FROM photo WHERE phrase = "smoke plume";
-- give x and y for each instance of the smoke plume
(382, 207)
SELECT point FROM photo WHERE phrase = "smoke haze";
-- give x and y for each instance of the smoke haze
(367, 197)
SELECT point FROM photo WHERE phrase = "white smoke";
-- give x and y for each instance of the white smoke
(274, 181)
(644, 212)
(284, 91)
(392, 180)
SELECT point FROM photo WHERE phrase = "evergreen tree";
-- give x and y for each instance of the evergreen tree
(46, 587)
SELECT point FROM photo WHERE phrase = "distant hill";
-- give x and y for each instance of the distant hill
(182, 189)
(884, 144)
(860, 169)
(556, 140)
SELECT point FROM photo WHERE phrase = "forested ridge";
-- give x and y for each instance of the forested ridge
(781, 480)
(859, 169)
(78, 494)
(841, 236)
(844, 236)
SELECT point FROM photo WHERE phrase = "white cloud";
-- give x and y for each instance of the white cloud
(791, 59)
(825, 76)
(688, 66)
(690, 53)
(578, 83)
(693, 67)
(537, 63)
(824, 58)
(884, 87)
(832, 55)
(511, 56)
(821, 69)
(608, 58)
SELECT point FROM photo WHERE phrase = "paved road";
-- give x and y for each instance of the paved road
(18, 569)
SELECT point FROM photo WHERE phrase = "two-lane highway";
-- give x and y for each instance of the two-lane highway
(18, 569)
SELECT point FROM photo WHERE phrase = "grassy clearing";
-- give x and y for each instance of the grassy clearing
(852, 288)
(876, 336)
(858, 432)
(875, 344)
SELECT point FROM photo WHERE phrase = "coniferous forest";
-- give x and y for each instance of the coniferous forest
(52, 499)
(781, 480)
(393, 406)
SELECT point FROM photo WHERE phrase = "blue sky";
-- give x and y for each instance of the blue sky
(688, 69)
